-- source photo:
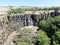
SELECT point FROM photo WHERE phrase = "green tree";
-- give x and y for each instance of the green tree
(52, 27)
(57, 22)
(43, 25)
(56, 38)
(42, 38)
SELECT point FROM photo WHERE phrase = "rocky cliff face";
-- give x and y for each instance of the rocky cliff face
(20, 20)
(2, 29)
(29, 19)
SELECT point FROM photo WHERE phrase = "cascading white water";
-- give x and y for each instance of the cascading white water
(30, 21)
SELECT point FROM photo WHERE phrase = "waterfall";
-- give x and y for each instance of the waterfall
(30, 21)
(21, 21)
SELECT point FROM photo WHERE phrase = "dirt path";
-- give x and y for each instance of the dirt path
(10, 38)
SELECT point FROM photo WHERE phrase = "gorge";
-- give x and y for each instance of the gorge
(9, 24)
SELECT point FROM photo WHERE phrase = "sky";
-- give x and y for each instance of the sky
(30, 3)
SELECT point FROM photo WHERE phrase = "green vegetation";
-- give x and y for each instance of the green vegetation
(51, 26)
(21, 40)
(15, 11)
(24, 37)
(42, 38)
